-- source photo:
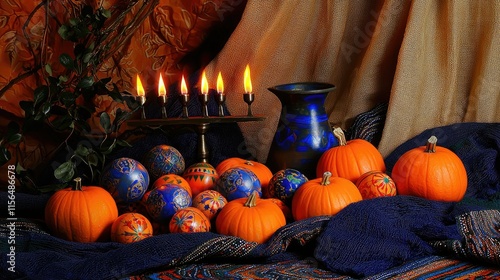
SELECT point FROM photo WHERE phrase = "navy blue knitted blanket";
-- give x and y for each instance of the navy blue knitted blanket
(364, 239)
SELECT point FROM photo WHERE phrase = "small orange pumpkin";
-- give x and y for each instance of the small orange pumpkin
(261, 170)
(81, 213)
(431, 172)
(250, 218)
(131, 227)
(350, 159)
(323, 196)
(376, 184)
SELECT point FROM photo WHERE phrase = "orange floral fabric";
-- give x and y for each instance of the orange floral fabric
(174, 29)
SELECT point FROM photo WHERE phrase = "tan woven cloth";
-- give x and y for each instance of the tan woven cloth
(434, 62)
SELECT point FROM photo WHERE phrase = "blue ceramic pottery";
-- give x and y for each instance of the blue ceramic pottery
(238, 182)
(126, 179)
(303, 133)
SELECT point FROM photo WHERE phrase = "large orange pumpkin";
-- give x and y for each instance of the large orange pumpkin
(81, 213)
(261, 170)
(350, 159)
(431, 172)
(251, 218)
(323, 196)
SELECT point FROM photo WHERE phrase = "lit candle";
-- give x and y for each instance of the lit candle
(220, 84)
(162, 96)
(204, 95)
(220, 96)
(184, 89)
(141, 96)
(248, 96)
(247, 81)
(184, 98)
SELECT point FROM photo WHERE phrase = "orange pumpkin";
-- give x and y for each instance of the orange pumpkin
(350, 159)
(261, 170)
(250, 218)
(286, 210)
(131, 227)
(376, 184)
(431, 172)
(323, 196)
(81, 213)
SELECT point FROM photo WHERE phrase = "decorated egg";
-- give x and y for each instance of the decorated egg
(284, 183)
(131, 227)
(238, 182)
(210, 202)
(189, 219)
(163, 201)
(200, 176)
(126, 179)
(173, 179)
(375, 184)
(163, 159)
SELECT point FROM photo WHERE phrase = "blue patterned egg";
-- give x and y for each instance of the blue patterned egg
(284, 183)
(238, 182)
(126, 179)
(165, 200)
(163, 159)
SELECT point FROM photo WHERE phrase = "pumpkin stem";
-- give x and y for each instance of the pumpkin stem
(339, 134)
(252, 200)
(326, 178)
(78, 185)
(431, 144)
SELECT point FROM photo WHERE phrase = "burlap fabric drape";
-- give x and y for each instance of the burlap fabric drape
(434, 62)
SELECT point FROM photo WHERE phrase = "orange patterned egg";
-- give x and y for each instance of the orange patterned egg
(200, 176)
(210, 202)
(131, 227)
(376, 184)
(173, 179)
(189, 219)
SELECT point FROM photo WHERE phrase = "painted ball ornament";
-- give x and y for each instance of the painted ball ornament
(201, 176)
(284, 183)
(376, 184)
(210, 202)
(238, 182)
(173, 179)
(131, 227)
(163, 159)
(126, 179)
(165, 200)
(188, 220)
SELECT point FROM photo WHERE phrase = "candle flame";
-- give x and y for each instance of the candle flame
(162, 91)
(247, 80)
(220, 84)
(140, 88)
(204, 83)
(184, 89)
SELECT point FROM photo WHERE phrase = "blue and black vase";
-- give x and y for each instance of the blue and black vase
(303, 133)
